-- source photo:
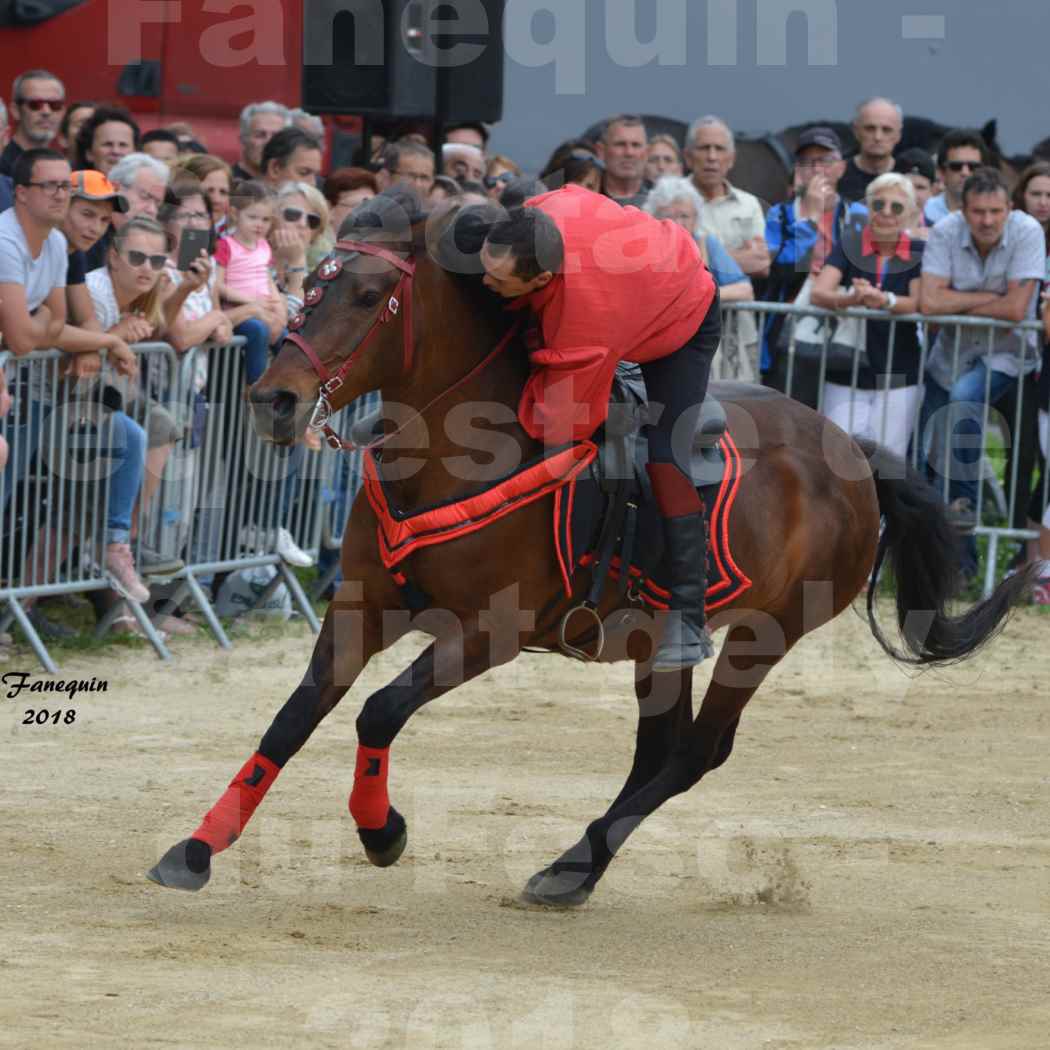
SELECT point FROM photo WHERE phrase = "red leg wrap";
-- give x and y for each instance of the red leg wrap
(224, 822)
(676, 495)
(369, 802)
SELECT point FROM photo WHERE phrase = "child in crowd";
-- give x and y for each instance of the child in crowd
(243, 259)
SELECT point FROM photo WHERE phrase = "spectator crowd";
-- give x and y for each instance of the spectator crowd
(96, 216)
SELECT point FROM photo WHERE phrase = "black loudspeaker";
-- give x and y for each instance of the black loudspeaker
(379, 58)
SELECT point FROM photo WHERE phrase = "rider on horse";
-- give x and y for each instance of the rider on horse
(606, 284)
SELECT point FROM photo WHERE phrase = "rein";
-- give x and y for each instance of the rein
(329, 270)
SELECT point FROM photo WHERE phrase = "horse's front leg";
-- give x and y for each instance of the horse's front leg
(454, 658)
(351, 634)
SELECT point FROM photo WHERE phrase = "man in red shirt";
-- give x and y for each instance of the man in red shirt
(607, 284)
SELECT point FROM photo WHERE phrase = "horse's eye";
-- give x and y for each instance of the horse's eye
(369, 299)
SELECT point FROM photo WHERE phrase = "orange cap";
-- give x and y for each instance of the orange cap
(94, 186)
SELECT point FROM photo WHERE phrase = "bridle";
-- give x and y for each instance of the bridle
(328, 271)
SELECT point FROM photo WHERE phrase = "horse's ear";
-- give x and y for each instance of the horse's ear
(990, 133)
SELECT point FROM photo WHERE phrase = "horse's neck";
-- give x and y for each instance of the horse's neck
(477, 421)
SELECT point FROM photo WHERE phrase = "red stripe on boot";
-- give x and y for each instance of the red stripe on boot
(224, 822)
(676, 495)
(369, 802)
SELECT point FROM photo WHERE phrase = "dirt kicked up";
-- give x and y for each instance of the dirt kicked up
(869, 869)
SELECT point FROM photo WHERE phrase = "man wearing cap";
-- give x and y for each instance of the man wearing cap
(877, 125)
(94, 200)
(802, 232)
(142, 181)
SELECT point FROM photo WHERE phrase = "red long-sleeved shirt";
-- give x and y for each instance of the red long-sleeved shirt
(632, 288)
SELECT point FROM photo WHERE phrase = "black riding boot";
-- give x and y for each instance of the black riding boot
(686, 641)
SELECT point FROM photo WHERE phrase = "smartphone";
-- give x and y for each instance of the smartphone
(191, 244)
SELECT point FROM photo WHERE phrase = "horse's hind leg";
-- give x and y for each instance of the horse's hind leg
(703, 746)
(349, 637)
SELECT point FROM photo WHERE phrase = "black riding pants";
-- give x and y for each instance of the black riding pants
(676, 386)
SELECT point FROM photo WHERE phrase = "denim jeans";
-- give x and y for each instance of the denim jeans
(256, 348)
(127, 447)
(117, 438)
(955, 418)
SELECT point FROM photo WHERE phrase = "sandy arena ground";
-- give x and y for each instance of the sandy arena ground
(869, 870)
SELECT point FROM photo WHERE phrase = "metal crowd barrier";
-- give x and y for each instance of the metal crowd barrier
(1012, 415)
(65, 444)
(219, 496)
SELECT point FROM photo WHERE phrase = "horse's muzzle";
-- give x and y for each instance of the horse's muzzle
(279, 415)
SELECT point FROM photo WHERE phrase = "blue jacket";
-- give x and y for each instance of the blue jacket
(792, 240)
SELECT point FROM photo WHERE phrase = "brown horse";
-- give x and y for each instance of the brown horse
(804, 527)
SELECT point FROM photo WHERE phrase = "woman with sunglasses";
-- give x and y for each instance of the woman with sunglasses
(878, 267)
(499, 171)
(133, 299)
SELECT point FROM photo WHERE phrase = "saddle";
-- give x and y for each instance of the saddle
(605, 519)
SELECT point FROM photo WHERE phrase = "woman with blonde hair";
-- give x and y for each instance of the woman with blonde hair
(499, 171)
(321, 239)
(877, 267)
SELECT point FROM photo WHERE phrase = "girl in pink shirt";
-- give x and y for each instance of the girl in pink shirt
(243, 259)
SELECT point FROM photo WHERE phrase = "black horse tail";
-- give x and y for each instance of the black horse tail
(925, 554)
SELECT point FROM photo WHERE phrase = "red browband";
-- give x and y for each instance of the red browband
(329, 270)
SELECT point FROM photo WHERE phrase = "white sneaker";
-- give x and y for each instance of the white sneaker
(279, 540)
(292, 553)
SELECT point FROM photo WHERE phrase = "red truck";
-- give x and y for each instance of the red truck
(198, 61)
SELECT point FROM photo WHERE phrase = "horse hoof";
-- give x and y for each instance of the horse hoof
(562, 888)
(384, 846)
(186, 866)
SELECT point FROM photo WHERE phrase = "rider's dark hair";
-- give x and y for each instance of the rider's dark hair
(985, 180)
(519, 190)
(534, 240)
(957, 138)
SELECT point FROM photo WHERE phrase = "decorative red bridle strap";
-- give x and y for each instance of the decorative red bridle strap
(331, 268)
(341, 444)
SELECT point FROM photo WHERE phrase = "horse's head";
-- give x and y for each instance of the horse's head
(355, 331)
(362, 317)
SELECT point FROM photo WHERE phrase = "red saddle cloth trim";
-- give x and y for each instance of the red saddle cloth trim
(399, 537)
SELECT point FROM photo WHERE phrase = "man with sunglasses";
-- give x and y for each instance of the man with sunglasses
(38, 102)
(959, 155)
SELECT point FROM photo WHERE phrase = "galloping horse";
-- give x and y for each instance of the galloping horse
(383, 314)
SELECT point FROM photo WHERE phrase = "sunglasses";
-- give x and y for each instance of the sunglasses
(37, 104)
(492, 181)
(295, 214)
(962, 165)
(880, 205)
(136, 259)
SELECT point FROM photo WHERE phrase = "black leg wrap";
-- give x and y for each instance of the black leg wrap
(186, 866)
(384, 846)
